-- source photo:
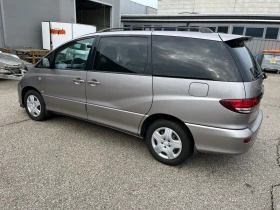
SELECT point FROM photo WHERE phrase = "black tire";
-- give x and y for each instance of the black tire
(182, 132)
(43, 113)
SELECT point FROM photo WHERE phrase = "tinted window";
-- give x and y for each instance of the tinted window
(223, 29)
(238, 30)
(271, 33)
(73, 55)
(121, 54)
(254, 32)
(193, 58)
(247, 64)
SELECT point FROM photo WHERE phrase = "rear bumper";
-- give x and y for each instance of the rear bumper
(225, 141)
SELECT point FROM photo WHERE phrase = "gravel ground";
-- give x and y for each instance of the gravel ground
(65, 163)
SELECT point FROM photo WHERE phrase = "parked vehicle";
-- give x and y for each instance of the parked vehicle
(271, 61)
(180, 90)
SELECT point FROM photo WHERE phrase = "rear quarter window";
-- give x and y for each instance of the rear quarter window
(194, 59)
(247, 64)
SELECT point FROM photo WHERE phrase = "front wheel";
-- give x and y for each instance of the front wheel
(35, 105)
(169, 142)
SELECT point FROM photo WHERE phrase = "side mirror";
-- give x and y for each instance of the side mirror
(46, 63)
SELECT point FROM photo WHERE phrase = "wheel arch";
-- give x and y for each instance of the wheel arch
(152, 118)
(25, 90)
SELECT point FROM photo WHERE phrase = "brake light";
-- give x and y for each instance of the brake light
(244, 106)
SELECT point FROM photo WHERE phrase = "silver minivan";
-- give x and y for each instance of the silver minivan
(183, 91)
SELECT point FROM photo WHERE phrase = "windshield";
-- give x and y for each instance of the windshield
(247, 64)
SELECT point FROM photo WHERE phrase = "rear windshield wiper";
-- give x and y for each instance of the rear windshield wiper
(259, 75)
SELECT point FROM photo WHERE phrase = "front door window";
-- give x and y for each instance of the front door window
(73, 55)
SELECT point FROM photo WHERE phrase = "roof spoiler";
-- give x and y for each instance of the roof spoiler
(229, 37)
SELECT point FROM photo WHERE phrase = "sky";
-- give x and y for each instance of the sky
(150, 3)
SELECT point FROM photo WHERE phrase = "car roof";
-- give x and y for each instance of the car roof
(189, 34)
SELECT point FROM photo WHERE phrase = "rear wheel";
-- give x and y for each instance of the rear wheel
(169, 142)
(35, 105)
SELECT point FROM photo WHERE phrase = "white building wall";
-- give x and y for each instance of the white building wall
(219, 6)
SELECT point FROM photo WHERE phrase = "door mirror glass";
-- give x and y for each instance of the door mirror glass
(46, 63)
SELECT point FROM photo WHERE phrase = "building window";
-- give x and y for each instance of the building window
(212, 28)
(127, 27)
(254, 32)
(158, 28)
(182, 28)
(137, 28)
(194, 28)
(271, 33)
(238, 30)
(169, 29)
(223, 29)
(147, 27)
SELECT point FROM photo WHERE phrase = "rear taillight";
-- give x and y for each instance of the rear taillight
(244, 106)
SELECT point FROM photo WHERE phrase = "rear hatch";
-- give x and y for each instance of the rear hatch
(250, 71)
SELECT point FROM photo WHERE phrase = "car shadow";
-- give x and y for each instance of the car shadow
(210, 162)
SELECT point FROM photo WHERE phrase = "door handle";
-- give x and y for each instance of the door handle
(93, 82)
(78, 81)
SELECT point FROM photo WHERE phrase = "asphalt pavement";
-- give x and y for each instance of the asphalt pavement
(65, 163)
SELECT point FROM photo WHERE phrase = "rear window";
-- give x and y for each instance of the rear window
(194, 59)
(247, 64)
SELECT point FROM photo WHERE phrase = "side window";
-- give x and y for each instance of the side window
(193, 58)
(73, 55)
(122, 55)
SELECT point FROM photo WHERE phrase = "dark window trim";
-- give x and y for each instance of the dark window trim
(148, 66)
(110, 72)
(192, 78)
